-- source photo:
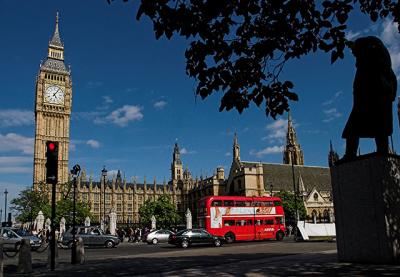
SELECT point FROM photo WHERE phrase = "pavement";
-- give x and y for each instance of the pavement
(321, 263)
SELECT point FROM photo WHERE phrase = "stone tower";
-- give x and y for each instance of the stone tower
(52, 109)
(292, 148)
(176, 165)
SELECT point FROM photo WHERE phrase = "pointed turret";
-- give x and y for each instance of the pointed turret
(292, 148)
(333, 157)
(56, 40)
(236, 148)
(176, 165)
(55, 55)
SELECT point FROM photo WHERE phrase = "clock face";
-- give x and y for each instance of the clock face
(54, 95)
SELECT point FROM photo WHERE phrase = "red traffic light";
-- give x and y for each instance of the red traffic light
(51, 146)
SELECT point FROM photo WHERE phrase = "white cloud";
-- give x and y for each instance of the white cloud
(331, 114)
(267, 151)
(350, 35)
(10, 118)
(159, 105)
(107, 99)
(15, 142)
(16, 164)
(93, 84)
(333, 99)
(122, 116)
(228, 154)
(93, 143)
(276, 130)
(184, 151)
(391, 37)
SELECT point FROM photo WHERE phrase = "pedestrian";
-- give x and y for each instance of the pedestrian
(289, 229)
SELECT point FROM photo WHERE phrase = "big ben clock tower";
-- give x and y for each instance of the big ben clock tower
(52, 110)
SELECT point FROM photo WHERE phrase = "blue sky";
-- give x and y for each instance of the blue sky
(132, 99)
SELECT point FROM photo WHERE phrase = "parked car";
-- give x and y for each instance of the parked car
(11, 240)
(33, 240)
(91, 236)
(187, 237)
(157, 236)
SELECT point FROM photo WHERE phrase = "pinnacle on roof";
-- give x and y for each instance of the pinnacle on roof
(56, 40)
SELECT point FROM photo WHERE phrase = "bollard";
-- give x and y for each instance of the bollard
(80, 251)
(24, 257)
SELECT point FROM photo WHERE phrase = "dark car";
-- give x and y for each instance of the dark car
(91, 236)
(187, 237)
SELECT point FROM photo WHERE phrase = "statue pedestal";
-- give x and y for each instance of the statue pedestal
(366, 196)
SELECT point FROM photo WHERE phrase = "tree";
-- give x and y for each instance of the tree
(64, 209)
(29, 203)
(289, 206)
(240, 47)
(163, 209)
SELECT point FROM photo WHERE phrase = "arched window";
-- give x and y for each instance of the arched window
(315, 196)
(314, 216)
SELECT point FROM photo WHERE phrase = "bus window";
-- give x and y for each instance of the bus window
(269, 204)
(269, 222)
(228, 203)
(258, 222)
(216, 203)
(249, 222)
(240, 203)
(277, 203)
(278, 220)
(248, 204)
(229, 223)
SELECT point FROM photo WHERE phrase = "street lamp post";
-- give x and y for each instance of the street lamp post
(291, 150)
(5, 205)
(104, 174)
(75, 173)
(1, 214)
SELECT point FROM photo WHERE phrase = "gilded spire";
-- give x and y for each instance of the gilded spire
(56, 40)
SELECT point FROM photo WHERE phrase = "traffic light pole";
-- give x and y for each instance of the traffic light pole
(51, 178)
(53, 227)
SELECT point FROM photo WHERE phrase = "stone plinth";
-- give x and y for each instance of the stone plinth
(366, 196)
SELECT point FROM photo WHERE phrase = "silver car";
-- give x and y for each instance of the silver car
(157, 236)
(12, 241)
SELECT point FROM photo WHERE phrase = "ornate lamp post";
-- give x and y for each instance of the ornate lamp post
(75, 173)
(5, 205)
(104, 174)
(291, 149)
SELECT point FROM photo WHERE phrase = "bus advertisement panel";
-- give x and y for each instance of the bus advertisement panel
(242, 218)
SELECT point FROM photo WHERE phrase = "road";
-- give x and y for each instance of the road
(144, 259)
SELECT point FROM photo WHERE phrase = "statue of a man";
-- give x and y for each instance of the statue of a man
(374, 90)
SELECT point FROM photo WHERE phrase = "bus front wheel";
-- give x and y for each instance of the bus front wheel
(230, 237)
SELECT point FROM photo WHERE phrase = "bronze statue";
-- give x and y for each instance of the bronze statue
(374, 90)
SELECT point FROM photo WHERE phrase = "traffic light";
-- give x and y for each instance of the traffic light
(51, 162)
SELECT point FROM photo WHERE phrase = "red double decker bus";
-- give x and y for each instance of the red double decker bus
(242, 218)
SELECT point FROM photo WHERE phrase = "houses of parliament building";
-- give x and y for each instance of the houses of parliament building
(53, 104)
